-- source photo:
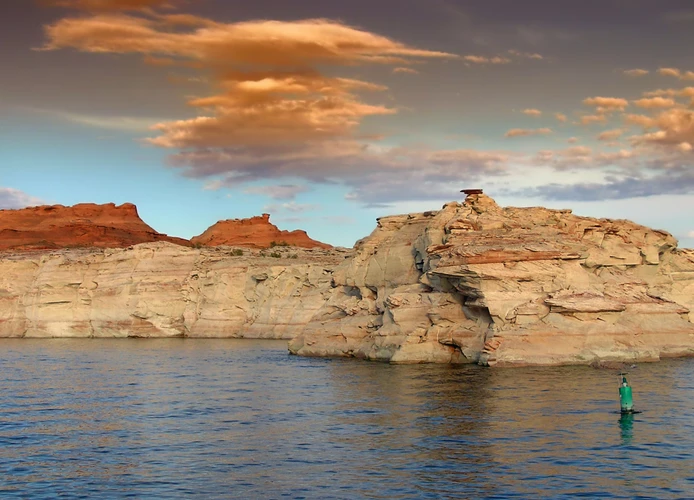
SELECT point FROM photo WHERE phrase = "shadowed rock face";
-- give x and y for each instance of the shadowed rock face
(83, 225)
(256, 232)
(475, 282)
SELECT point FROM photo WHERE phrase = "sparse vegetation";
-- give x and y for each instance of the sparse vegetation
(237, 252)
(274, 244)
(276, 255)
(293, 256)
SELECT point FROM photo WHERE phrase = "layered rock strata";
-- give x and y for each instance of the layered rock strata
(255, 232)
(163, 290)
(84, 225)
(475, 282)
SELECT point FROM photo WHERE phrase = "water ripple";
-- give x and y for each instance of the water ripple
(181, 418)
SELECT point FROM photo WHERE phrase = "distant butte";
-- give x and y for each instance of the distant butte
(50, 227)
(256, 232)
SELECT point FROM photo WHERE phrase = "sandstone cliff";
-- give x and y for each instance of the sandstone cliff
(507, 286)
(256, 232)
(83, 225)
(163, 290)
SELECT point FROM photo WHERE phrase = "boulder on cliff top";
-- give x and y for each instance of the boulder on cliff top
(256, 232)
(83, 225)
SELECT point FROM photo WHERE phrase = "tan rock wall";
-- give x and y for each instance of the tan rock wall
(162, 290)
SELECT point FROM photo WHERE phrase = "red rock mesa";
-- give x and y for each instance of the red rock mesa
(256, 232)
(83, 225)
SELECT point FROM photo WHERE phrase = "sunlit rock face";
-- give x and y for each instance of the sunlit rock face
(163, 290)
(255, 232)
(475, 282)
(84, 225)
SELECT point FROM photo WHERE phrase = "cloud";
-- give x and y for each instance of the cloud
(655, 102)
(616, 188)
(279, 192)
(560, 117)
(110, 5)
(373, 174)
(523, 132)
(121, 123)
(591, 119)
(610, 135)
(276, 43)
(12, 199)
(606, 104)
(411, 71)
(526, 55)
(572, 140)
(677, 73)
(291, 207)
(635, 72)
(675, 128)
(486, 60)
(532, 112)
(690, 234)
(270, 106)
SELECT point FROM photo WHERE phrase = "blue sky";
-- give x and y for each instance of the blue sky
(330, 114)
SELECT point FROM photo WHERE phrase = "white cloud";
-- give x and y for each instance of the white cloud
(13, 199)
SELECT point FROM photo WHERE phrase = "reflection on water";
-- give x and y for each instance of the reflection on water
(174, 418)
(626, 424)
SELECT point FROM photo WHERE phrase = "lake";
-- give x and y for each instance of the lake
(181, 418)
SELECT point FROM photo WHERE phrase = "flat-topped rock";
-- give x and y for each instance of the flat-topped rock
(83, 225)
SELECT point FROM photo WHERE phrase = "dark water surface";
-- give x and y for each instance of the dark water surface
(186, 418)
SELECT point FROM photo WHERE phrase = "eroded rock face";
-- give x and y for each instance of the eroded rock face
(475, 282)
(163, 290)
(256, 232)
(83, 225)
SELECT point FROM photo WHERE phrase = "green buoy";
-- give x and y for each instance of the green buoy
(626, 402)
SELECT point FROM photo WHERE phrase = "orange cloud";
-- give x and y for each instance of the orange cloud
(670, 72)
(675, 129)
(532, 112)
(607, 104)
(276, 43)
(610, 135)
(406, 70)
(524, 132)
(635, 72)
(271, 107)
(655, 102)
(591, 119)
(677, 73)
(486, 60)
(560, 117)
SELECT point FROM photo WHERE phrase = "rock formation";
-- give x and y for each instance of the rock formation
(163, 290)
(475, 282)
(83, 225)
(256, 232)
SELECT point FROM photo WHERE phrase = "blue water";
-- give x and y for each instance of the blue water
(181, 418)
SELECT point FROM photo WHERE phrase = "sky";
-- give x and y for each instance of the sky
(328, 115)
